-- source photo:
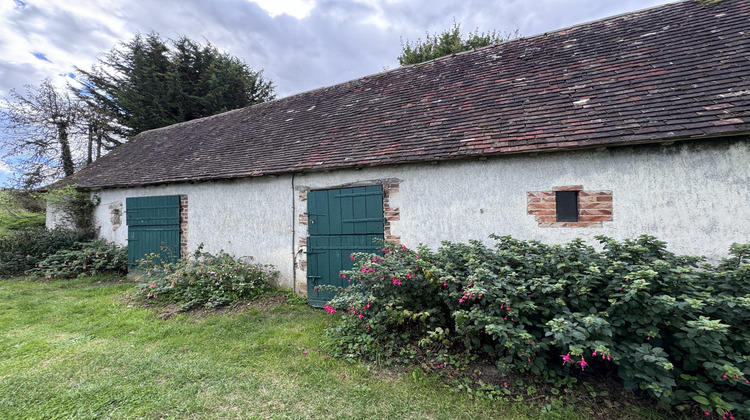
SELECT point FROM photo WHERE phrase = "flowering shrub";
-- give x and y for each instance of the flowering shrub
(202, 279)
(667, 326)
(392, 310)
(83, 259)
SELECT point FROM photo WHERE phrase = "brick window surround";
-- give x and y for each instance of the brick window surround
(594, 207)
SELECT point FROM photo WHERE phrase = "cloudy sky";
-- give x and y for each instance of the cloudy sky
(299, 44)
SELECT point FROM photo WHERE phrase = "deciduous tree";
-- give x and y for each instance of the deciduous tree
(38, 126)
(448, 42)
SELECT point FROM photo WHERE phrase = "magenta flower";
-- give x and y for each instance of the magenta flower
(304, 352)
(566, 358)
(330, 309)
(583, 363)
(352, 257)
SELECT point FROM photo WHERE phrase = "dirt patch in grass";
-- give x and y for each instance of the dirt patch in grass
(599, 396)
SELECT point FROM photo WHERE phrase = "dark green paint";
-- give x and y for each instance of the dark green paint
(153, 227)
(340, 222)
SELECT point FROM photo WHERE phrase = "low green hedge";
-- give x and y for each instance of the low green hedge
(23, 249)
(664, 324)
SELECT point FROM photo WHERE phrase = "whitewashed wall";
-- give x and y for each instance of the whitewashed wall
(695, 196)
(250, 217)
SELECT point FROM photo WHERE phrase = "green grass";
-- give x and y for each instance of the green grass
(79, 349)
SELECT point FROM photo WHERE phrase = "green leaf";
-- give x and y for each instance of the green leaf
(701, 400)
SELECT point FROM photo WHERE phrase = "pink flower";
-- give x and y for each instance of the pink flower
(152, 285)
(304, 352)
(439, 366)
(360, 316)
(408, 275)
(566, 358)
(403, 248)
(352, 257)
(171, 286)
(330, 309)
(583, 363)
(706, 413)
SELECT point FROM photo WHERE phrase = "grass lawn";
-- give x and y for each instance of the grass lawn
(79, 349)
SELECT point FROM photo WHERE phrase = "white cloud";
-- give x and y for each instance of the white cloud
(5, 168)
(299, 9)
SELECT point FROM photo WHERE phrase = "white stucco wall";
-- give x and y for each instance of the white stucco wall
(250, 217)
(694, 195)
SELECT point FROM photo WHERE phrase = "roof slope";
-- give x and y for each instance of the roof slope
(673, 72)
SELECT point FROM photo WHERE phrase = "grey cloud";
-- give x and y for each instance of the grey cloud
(333, 44)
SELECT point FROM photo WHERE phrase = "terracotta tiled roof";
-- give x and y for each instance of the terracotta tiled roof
(674, 72)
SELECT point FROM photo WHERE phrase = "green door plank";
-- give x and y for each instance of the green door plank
(327, 256)
(153, 227)
(341, 221)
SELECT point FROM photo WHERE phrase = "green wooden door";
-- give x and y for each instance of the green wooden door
(153, 227)
(340, 222)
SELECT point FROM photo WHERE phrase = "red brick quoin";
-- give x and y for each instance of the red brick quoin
(594, 207)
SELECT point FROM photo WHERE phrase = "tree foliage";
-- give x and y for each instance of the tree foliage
(49, 131)
(150, 82)
(450, 41)
(38, 126)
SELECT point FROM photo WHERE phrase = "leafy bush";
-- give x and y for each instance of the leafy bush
(666, 326)
(205, 279)
(23, 249)
(83, 259)
(391, 308)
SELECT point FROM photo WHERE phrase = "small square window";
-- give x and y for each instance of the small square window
(566, 206)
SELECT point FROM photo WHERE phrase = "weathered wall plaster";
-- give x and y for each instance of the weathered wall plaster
(694, 195)
(249, 217)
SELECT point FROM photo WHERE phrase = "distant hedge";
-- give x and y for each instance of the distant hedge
(21, 250)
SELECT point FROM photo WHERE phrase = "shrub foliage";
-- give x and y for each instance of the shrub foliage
(23, 249)
(666, 325)
(83, 259)
(202, 279)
